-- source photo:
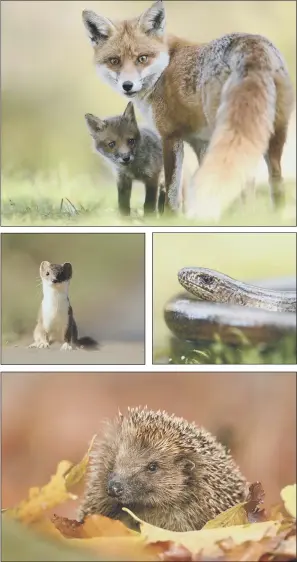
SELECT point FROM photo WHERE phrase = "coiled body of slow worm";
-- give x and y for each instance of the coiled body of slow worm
(210, 285)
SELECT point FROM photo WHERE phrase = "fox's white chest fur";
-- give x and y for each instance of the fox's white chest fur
(55, 306)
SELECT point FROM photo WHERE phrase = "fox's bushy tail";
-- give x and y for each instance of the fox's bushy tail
(244, 125)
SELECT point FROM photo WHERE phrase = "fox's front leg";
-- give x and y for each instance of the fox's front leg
(173, 155)
(151, 194)
(124, 185)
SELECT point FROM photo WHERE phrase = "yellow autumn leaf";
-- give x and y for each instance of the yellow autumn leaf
(288, 495)
(206, 539)
(235, 515)
(76, 472)
(52, 494)
(41, 499)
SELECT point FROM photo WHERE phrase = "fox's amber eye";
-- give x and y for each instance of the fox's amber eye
(142, 59)
(114, 61)
(111, 144)
(131, 142)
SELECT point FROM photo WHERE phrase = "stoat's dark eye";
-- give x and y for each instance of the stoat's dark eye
(152, 467)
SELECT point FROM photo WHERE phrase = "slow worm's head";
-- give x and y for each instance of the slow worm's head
(202, 282)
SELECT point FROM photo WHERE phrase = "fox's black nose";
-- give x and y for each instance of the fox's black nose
(127, 86)
(115, 488)
(126, 158)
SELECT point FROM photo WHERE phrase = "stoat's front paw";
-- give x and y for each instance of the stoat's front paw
(66, 347)
(42, 344)
(39, 344)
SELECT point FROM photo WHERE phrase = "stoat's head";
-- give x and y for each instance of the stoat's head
(55, 275)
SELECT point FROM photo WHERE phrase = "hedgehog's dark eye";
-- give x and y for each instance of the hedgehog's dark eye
(47, 273)
(131, 142)
(111, 144)
(152, 467)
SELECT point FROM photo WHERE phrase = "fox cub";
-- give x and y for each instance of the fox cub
(134, 154)
(232, 95)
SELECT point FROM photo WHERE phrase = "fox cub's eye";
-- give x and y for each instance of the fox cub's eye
(142, 59)
(111, 144)
(114, 61)
(152, 467)
(131, 142)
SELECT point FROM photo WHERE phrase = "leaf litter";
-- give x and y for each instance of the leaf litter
(245, 532)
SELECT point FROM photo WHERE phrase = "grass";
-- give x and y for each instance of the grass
(218, 353)
(36, 200)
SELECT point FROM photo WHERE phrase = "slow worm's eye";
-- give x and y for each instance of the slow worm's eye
(207, 279)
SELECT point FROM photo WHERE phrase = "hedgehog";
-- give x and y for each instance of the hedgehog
(168, 472)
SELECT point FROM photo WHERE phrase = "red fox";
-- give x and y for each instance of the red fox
(232, 96)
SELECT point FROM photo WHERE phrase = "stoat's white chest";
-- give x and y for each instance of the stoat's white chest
(55, 306)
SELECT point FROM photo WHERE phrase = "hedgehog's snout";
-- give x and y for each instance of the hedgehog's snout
(115, 488)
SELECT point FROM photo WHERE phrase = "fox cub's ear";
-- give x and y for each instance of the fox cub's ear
(152, 21)
(67, 267)
(99, 28)
(95, 125)
(129, 113)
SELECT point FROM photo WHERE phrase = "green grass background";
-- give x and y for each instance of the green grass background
(242, 256)
(49, 83)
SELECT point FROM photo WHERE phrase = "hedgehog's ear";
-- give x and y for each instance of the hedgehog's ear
(95, 125)
(152, 21)
(67, 267)
(98, 27)
(43, 267)
(186, 464)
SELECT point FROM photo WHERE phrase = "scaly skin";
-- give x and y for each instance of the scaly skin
(210, 285)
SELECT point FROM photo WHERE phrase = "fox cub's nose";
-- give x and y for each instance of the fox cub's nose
(126, 158)
(127, 86)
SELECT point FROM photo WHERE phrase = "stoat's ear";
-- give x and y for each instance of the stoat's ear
(95, 125)
(67, 267)
(152, 21)
(98, 27)
(44, 266)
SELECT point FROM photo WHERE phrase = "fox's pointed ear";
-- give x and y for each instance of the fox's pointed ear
(152, 21)
(95, 125)
(98, 27)
(129, 113)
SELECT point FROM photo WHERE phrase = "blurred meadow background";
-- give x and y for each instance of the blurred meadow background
(106, 293)
(67, 409)
(246, 257)
(49, 83)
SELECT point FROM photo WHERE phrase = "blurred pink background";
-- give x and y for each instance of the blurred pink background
(50, 417)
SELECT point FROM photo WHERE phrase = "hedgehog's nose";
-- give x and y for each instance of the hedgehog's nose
(115, 488)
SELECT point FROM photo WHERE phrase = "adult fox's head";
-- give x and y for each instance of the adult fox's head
(132, 54)
(116, 138)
